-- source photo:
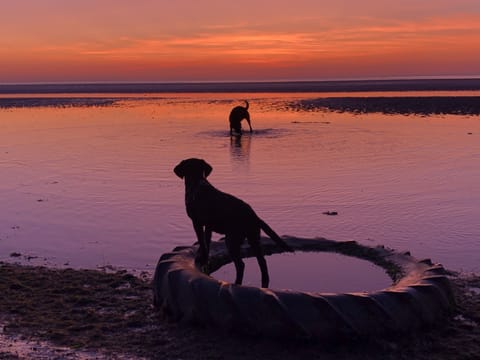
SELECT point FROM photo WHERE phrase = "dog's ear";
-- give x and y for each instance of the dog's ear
(179, 170)
(207, 168)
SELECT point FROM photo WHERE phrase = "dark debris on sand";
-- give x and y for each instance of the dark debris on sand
(112, 313)
(21, 102)
(405, 105)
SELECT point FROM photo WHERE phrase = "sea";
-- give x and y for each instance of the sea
(87, 172)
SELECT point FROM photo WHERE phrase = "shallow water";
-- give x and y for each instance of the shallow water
(93, 186)
(312, 272)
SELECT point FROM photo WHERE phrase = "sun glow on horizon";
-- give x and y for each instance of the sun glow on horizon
(304, 47)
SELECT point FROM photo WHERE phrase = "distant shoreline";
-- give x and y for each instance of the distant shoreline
(247, 87)
(405, 105)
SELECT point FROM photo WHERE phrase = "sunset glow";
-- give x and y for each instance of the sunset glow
(54, 40)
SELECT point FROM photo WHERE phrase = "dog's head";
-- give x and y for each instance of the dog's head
(192, 168)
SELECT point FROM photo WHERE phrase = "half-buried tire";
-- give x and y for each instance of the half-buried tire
(420, 296)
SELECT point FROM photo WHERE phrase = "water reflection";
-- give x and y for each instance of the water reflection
(240, 147)
(313, 272)
(103, 177)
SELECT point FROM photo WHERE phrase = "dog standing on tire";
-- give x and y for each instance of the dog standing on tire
(213, 210)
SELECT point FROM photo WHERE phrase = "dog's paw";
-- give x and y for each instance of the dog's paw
(201, 260)
(202, 267)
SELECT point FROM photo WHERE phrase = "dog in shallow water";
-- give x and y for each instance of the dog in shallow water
(213, 210)
(237, 114)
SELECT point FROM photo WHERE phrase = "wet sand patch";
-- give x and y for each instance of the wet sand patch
(404, 105)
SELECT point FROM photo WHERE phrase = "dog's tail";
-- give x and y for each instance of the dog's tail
(273, 235)
(246, 103)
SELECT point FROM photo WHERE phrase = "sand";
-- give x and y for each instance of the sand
(425, 106)
(81, 314)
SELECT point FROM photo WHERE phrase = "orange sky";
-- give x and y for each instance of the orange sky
(191, 40)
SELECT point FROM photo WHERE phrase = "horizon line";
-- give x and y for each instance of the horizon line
(294, 86)
(354, 79)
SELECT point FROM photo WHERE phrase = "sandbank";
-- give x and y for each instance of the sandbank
(101, 314)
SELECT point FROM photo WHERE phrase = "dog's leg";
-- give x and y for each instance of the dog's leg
(254, 242)
(233, 247)
(248, 121)
(208, 238)
(202, 254)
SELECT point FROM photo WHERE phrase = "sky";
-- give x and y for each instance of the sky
(213, 40)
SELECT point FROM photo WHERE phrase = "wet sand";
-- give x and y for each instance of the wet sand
(426, 106)
(86, 314)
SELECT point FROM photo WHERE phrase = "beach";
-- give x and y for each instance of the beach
(91, 203)
(84, 314)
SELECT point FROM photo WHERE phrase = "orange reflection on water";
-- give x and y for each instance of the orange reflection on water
(94, 185)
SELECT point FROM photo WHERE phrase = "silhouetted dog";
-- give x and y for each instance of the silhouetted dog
(213, 210)
(237, 114)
